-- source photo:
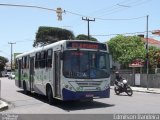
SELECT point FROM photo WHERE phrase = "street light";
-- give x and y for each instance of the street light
(59, 14)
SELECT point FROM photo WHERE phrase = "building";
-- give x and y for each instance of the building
(151, 41)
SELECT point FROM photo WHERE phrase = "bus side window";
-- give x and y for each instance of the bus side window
(25, 62)
(37, 61)
(16, 64)
(43, 59)
(49, 58)
(22, 62)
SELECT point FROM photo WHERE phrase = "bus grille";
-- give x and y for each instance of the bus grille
(89, 84)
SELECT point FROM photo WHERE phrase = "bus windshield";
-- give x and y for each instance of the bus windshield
(86, 64)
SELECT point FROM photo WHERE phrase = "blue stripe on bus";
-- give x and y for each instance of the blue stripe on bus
(70, 95)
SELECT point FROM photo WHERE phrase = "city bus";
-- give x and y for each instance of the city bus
(66, 70)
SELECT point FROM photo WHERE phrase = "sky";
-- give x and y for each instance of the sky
(19, 25)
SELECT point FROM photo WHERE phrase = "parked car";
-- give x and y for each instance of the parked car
(7, 74)
(3, 74)
(11, 75)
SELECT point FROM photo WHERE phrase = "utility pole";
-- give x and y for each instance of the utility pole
(11, 52)
(88, 20)
(147, 57)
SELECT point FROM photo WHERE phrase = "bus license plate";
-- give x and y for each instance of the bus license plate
(89, 95)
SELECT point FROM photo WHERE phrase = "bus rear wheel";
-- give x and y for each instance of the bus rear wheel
(25, 88)
(50, 96)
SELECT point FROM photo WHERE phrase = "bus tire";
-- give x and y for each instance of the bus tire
(25, 88)
(50, 96)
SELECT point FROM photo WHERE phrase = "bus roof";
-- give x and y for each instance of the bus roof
(34, 50)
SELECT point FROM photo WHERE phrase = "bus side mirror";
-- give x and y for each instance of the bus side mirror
(111, 61)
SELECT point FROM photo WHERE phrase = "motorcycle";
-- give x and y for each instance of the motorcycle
(123, 87)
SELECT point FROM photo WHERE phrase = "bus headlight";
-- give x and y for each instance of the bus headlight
(107, 86)
(70, 88)
(98, 88)
(79, 89)
(66, 86)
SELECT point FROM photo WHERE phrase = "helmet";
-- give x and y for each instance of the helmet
(117, 72)
(124, 81)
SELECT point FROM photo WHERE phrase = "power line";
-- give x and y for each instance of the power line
(104, 9)
(65, 11)
(125, 33)
(110, 8)
(58, 10)
(77, 14)
(123, 5)
(118, 7)
(103, 18)
(143, 2)
(73, 13)
(125, 19)
(27, 6)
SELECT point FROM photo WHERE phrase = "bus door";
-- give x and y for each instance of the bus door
(57, 64)
(19, 72)
(31, 73)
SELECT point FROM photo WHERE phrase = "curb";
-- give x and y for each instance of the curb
(146, 91)
(3, 105)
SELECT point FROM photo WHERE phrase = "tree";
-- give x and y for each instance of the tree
(154, 57)
(125, 49)
(85, 37)
(48, 35)
(3, 61)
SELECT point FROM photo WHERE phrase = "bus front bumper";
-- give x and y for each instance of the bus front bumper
(78, 95)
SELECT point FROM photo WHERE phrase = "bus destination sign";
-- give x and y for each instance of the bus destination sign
(86, 45)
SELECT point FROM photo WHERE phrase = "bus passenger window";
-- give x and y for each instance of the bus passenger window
(49, 58)
(43, 59)
(37, 62)
(16, 64)
(25, 61)
(22, 62)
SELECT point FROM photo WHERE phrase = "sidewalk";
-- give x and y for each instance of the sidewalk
(3, 105)
(141, 89)
(150, 90)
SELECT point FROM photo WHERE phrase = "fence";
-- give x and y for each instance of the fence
(153, 80)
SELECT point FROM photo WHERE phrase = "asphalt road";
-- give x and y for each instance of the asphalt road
(37, 104)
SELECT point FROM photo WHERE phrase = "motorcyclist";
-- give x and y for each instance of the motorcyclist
(121, 86)
(118, 78)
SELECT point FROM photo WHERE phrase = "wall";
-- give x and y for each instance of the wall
(154, 80)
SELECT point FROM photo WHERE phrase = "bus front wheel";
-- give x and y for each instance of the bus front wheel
(50, 96)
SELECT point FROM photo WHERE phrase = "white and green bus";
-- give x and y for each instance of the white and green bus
(66, 70)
